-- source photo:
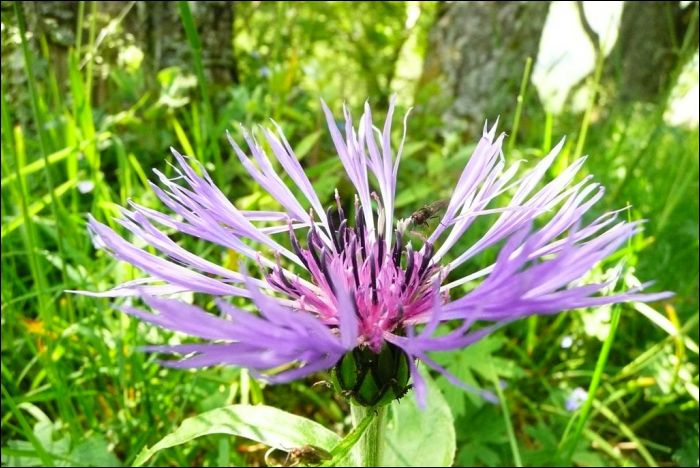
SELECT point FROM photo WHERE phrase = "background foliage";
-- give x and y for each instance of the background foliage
(98, 92)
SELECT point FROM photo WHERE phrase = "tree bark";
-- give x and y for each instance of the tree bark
(649, 50)
(56, 21)
(158, 28)
(477, 52)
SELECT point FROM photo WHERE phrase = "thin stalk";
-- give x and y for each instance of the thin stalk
(196, 48)
(65, 404)
(369, 451)
(39, 121)
(79, 28)
(72, 166)
(92, 52)
(519, 106)
(531, 339)
(43, 306)
(548, 126)
(593, 387)
(29, 238)
(7, 140)
(52, 81)
(517, 460)
(581, 142)
(83, 106)
(627, 432)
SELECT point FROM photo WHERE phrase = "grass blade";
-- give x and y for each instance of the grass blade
(196, 48)
(572, 443)
(517, 459)
(519, 106)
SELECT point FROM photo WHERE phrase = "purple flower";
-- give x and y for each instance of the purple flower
(355, 281)
(575, 399)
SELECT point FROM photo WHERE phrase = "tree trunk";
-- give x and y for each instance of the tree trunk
(56, 22)
(158, 28)
(649, 50)
(477, 52)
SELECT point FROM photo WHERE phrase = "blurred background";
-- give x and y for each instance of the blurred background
(95, 93)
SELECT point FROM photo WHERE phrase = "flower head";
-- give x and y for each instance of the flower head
(353, 291)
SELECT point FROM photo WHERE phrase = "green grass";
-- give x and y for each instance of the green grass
(76, 389)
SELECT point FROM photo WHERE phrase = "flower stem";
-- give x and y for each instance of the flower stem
(370, 448)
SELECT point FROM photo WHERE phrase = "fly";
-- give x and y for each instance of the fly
(309, 455)
(428, 212)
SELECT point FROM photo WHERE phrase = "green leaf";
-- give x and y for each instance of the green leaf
(475, 360)
(94, 452)
(412, 147)
(687, 454)
(420, 437)
(416, 197)
(306, 144)
(263, 424)
(481, 434)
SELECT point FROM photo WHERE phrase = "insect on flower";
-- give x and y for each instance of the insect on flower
(350, 292)
(428, 212)
(308, 455)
